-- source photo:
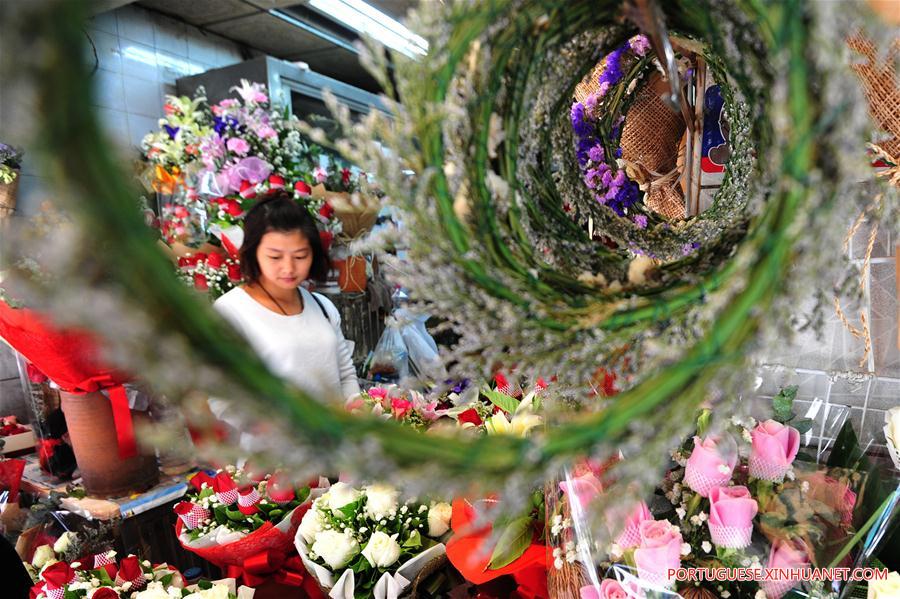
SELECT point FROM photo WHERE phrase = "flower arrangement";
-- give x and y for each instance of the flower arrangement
(741, 498)
(10, 163)
(212, 273)
(594, 128)
(176, 145)
(232, 519)
(367, 542)
(101, 576)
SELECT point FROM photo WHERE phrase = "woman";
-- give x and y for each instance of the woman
(296, 333)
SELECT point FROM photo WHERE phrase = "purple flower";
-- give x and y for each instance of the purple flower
(581, 127)
(639, 44)
(619, 179)
(596, 153)
(590, 178)
(590, 103)
(612, 72)
(689, 248)
(172, 131)
(641, 221)
(607, 178)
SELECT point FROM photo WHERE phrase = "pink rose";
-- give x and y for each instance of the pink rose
(731, 513)
(400, 407)
(320, 174)
(659, 551)
(266, 132)
(581, 490)
(788, 556)
(631, 534)
(609, 589)
(774, 448)
(377, 393)
(711, 464)
(238, 146)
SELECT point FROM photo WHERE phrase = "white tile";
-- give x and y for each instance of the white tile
(138, 127)
(228, 53)
(115, 125)
(135, 24)
(109, 56)
(142, 97)
(202, 48)
(171, 67)
(139, 60)
(105, 21)
(108, 91)
(170, 35)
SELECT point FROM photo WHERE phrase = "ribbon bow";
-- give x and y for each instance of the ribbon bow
(268, 564)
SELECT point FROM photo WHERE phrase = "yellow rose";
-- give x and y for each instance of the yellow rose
(885, 589)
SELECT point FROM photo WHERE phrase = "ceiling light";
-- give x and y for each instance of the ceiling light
(368, 20)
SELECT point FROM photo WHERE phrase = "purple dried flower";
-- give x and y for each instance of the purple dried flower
(639, 44)
(641, 221)
(596, 153)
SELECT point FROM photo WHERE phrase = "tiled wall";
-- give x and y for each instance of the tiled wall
(139, 55)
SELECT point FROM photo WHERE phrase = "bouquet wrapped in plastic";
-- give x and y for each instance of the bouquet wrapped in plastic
(367, 543)
(243, 526)
(746, 513)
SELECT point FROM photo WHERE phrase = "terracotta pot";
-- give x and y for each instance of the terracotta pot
(8, 194)
(92, 431)
(352, 274)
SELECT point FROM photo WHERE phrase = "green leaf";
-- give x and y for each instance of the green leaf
(347, 511)
(302, 494)
(166, 580)
(414, 540)
(514, 540)
(504, 402)
(103, 576)
(220, 514)
(234, 515)
(276, 514)
(783, 404)
(803, 425)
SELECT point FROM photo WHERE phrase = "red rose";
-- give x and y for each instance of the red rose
(470, 415)
(200, 282)
(280, 490)
(58, 575)
(215, 260)
(105, 593)
(180, 212)
(234, 272)
(233, 208)
(302, 188)
(326, 211)
(248, 190)
(198, 479)
(276, 181)
(130, 571)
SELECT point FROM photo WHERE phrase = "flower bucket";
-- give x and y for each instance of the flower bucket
(92, 429)
(352, 274)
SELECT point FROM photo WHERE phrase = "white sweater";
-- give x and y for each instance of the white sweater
(304, 348)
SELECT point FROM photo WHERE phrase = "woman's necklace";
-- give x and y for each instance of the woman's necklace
(283, 311)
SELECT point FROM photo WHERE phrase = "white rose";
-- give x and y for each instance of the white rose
(885, 589)
(382, 550)
(42, 555)
(311, 524)
(341, 494)
(63, 542)
(892, 433)
(154, 590)
(439, 519)
(381, 500)
(336, 548)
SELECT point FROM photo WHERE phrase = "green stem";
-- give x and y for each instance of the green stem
(862, 531)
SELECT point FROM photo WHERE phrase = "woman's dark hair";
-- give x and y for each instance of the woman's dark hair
(279, 211)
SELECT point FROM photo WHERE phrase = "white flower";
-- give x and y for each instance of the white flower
(725, 595)
(217, 591)
(615, 552)
(724, 469)
(706, 546)
(885, 589)
(892, 434)
(382, 550)
(42, 555)
(380, 501)
(685, 549)
(341, 494)
(558, 563)
(336, 548)
(154, 590)
(760, 594)
(311, 525)
(681, 512)
(63, 542)
(439, 519)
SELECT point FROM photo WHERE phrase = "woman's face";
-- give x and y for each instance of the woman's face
(284, 259)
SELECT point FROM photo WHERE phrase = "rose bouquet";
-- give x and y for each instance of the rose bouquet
(211, 273)
(740, 498)
(367, 543)
(100, 576)
(244, 526)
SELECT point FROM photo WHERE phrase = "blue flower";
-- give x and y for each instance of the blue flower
(172, 131)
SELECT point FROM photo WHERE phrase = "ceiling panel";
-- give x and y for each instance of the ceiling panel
(272, 36)
(201, 12)
(339, 64)
(269, 4)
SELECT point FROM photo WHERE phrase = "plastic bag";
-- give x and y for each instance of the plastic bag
(423, 351)
(390, 360)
